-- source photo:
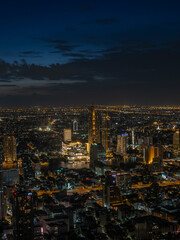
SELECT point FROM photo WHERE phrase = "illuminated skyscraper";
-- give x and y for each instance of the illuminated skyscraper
(105, 132)
(93, 126)
(121, 144)
(176, 142)
(148, 141)
(75, 126)
(151, 153)
(10, 154)
(176, 139)
(67, 135)
(133, 139)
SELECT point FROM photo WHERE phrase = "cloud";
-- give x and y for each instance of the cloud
(4, 80)
(30, 56)
(4, 85)
(56, 41)
(30, 52)
(66, 48)
(55, 52)
(133, 72)
(79, 55)
(104, 21)
(61, 45)
(110, 50)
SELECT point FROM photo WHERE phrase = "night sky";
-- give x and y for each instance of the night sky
(59, 52)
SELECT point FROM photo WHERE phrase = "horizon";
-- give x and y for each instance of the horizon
(176, 106)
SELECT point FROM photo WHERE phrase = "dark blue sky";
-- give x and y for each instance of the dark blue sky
(109, 52)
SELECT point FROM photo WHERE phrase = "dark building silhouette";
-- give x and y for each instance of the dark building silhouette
(2, 202)
(111, 192)
(97, 154)
(23, 214)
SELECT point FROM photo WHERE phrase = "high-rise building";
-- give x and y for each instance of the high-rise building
(176, 142)
(23, 214)
(176, 139)
(151, 153)
(2, 202)
(122, 144)
(93, 155)
(10, 155)
(97, 154)
(75, 126)
(93, 126)
(111, 192)
(148, 141)
(146, 154)
(133, 142)
(105, 132)
(67, 135)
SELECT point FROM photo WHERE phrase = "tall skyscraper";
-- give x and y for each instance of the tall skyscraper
(10, 154)
(2, 202)
(93, 155)
(97, 154)
(111, 192)
(122, 144)
(105, 132)
(1, 192)
(23, 215)
(133, 145)
(75, 126)
(148, 141)
(67, 135)
(176, 142)
(176, 139)
(151, 153)
(93, 126)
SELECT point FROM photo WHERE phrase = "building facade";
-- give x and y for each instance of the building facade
(10, 152)
(93, 126)
(122, 144)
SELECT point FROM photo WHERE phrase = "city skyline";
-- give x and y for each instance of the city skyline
(98, 172)
(58, 53)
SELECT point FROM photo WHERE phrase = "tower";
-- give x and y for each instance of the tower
(176, 142)
(67, 135)
(23, 214)
(75, 126)
(97, 154)
(2, 202)
(148, 140)
(105, 132)
(10, 155)
(151, 153)
(122, 143)
(1, 193)
(176, 138)
(133, 138)
(93, 155)
(93, 126)
(111, 192)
